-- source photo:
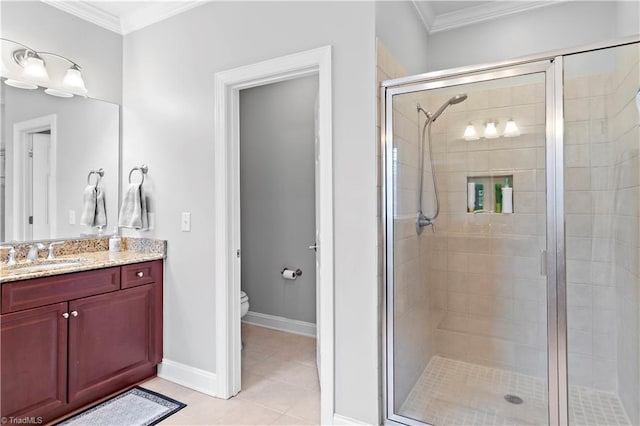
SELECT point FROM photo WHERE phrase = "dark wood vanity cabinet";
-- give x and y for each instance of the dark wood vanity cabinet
(68, 353)
(33, 360)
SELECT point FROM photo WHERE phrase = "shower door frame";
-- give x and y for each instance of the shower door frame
(555, 259)
(553, 243)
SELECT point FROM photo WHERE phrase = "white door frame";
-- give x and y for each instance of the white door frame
(227, 213)
(21, 132)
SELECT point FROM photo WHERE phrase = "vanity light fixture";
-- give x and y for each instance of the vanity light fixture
(470, 133)
(490, 131)
(73, 80)
(511, 129)
(34, 73)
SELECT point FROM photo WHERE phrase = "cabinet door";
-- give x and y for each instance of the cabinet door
(110, 337)
(33, 357)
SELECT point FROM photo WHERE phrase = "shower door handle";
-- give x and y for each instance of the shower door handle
(543, 263)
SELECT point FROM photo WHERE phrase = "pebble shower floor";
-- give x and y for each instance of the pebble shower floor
(451, 392)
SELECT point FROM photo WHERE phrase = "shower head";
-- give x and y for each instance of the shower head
(454, 100)
(457, 98)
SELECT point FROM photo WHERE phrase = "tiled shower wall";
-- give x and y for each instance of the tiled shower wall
(589, 212)
(625, 137)
(487, 294)
(602, 193)
(412, 339)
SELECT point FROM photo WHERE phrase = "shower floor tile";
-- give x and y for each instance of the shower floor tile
(451, 392)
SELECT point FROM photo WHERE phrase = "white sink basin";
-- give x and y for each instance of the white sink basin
(47, 265)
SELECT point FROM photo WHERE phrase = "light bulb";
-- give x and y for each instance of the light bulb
(511, 129)
(470, 133)
(490, 131)
(73, 81)
(34, 69)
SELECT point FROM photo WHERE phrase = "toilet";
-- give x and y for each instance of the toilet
(244, 308)
(244, 304)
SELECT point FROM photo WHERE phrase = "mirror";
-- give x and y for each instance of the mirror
(48, 147)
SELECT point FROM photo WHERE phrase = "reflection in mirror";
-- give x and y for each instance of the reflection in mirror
(48, 147)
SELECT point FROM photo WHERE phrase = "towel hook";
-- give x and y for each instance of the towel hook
(99, 174)
(143, 171)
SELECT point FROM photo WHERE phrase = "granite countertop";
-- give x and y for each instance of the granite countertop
(84, 256)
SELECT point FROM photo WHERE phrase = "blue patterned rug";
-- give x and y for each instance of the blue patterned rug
(135, 407)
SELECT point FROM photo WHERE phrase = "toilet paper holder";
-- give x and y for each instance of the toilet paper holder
(297, 272)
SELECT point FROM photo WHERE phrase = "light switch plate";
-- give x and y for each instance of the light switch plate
(185, 223)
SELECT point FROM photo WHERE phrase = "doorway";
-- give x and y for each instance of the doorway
(228, 84)
(277, 202)
(38, 185)
(277, 228)
(34, 177)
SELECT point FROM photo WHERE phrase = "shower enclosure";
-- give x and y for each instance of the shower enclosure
(529, 317)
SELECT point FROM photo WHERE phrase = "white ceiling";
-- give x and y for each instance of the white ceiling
(126, 16)
(445, 15)
(442, 7)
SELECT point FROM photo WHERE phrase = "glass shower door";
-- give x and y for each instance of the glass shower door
(467, 339)
(602, 192)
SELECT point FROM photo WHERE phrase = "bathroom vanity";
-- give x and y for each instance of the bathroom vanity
(72, 338)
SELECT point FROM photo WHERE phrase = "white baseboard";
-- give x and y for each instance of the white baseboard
(191, 377)
(344, 420)
(279, 323)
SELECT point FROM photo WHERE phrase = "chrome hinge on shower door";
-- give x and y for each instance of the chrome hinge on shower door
(543, 263)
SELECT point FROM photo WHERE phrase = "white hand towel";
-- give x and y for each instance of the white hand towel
(101, 208)
(89, 206)
(133, 212)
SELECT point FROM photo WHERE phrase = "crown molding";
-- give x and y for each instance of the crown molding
(425, 11)
(475, 14)
(89, 13)
(136, 19)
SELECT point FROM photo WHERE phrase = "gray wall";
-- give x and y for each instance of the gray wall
(277, 197)
(44, 28)
(401, 30)
(628, 18)
(168, 124)
(560, 26)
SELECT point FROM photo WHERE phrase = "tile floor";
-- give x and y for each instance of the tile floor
(451, 392)
(279, 385)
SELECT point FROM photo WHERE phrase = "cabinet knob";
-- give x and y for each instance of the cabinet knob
(74, 313)
(140, 274)
(65, 315)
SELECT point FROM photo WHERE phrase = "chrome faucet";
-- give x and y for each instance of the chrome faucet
(51, 255)
(33, 251)
(11, 259)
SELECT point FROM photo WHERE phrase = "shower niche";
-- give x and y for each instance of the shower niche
(491, 194)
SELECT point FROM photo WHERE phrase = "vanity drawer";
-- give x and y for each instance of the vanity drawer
(141, 273)
(59, 288)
